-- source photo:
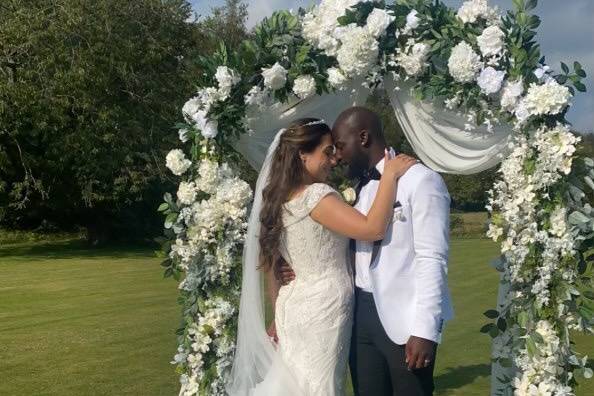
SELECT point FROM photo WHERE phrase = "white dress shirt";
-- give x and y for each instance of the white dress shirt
(408, 277)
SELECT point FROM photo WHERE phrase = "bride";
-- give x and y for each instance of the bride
(299, 219)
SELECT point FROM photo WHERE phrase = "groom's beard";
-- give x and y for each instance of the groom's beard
(357, 167)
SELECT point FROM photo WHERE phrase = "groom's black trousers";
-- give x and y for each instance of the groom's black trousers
(377, 364)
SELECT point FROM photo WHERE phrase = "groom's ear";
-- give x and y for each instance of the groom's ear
(364, 138)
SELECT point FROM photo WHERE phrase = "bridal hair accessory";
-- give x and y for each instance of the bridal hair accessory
(317, 122)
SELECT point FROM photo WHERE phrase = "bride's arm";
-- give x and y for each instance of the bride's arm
(272, 286)
(336, 215)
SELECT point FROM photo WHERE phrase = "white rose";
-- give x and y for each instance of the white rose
(208, 127)
(336, 78)
(464, 63)
(304, 86)
(358, 52)
(490, 41)
(471, 10)
(549, 98)
(378, 21)
(186, 193)
(349, 195)
(541, 71)
(191, 107)
(176, 162)
(275, 77)
(412, 22)
(490, 80)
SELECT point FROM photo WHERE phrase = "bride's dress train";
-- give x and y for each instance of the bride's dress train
(314, 312)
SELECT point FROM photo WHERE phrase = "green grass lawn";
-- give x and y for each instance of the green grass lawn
(101, 322)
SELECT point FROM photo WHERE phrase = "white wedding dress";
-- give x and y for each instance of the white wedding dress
(314, 312)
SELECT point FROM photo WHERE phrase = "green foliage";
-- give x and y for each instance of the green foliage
(89, 93)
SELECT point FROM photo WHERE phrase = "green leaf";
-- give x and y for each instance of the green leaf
(531, 4)
(564, 67)
(486, 328)
(494, 331)
(577, 65)
(589, 294)
(501, 324)
(579, 86)
(491, 314)
(163, 207)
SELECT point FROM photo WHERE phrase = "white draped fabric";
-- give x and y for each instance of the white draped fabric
(436, 134)
(438, 137)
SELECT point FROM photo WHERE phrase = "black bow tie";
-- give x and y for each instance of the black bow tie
(367, 176)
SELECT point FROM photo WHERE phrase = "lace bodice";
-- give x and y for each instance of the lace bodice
(310, 248)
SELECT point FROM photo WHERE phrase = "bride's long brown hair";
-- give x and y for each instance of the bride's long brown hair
(287, 173)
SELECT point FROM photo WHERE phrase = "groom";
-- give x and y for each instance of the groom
(402, 297)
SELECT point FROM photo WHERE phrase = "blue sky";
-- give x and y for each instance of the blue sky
(565, 34)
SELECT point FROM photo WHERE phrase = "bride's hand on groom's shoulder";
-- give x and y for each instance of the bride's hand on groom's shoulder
(284, 273)
(397, 166)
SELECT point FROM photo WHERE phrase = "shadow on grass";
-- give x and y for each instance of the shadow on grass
(457, 377)
(73, 248)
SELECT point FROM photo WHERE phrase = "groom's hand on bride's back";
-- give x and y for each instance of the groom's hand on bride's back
(283, 272)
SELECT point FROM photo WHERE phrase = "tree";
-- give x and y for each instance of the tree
(89, 92)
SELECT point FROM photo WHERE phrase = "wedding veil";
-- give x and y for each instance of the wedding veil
(256, 358)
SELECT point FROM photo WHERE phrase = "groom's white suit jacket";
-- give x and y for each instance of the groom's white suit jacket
(408, 276)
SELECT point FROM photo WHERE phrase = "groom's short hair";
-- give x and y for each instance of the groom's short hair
(358, 118)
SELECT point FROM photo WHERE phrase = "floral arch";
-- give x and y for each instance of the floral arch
(470, 89)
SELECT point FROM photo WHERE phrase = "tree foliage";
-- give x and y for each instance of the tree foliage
(89, 93)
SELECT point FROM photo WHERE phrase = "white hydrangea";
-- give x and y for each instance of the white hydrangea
(414, 59)
(275, 77)
(336, 77)
(319, 25)
(490, 41)
(186, 192)
(177, 162)
(208, 176)
(464, 63)
(378, 21)
(304, 86)
(358, 52)
(470, 11)
(208, 128)
(512, 90)
(548, 98)
(490, 80)
(412, 22)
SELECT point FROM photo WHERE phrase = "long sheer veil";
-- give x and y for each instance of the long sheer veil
(255, 356)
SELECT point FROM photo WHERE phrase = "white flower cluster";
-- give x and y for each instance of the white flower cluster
(414, 58)
(472, 10)
(548, 98)
(177, 162)
(320, 25)
(206, 336)
(534, 165)
(540, 372)
(195, 110)
(304, 86)
(199, 248)
(355, 47)
(464, 64)
(358, 52)
(490, 80)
